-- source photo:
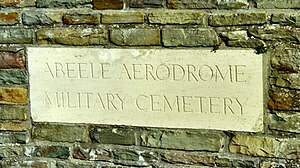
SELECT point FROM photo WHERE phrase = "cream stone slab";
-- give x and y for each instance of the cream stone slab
(173, 88)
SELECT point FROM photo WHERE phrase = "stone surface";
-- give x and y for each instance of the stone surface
(17, 36)
(284, 99)
(281, 4)
(233, 4)
(202, 160)
(279, 164)
(177, 17)
(12, 76)
(240, 39)
(60, 133)
(287, 148)
(17, 3)
(240, 18)
(63, 3)
(191, 37)
(13, 113)
(145, 3)
(91, 152)
(162, 71)
(183, 140)
(291, 80)
(13, 96)
(41, 17)
(10, 151)
(13, 126)
(122, 17)
(13, 138)
(129, 158)
(12, 58)
(287, 18)
(108, 4)
(81, 18)
(72, 36)
(113, 136)
(74, 164)
(135, 36)
(61, 152)
(192, 4)
(285, 121)
(9, 18)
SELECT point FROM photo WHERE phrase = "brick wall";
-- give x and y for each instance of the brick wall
(268, 26)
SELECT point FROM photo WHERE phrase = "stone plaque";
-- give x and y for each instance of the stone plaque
(174, 88)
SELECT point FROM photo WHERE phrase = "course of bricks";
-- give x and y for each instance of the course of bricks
(270, 27)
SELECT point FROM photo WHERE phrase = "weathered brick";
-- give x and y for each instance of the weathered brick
(284, 99)
(13, 96)
(121, 136)
(192, 4)
(80, 18)
(63, 3)
(91, 152)
(60, 133)
(184, 140)
(72, 36)
(240, 18)
(177, 17)
(13, 126)
(122, 17)
(12, 58)
(108, 4)
(189, 37)
(287, 148)
(13, 76)
(135, 36)
(61, 152)
(42, 17)
(13, 113)
(9, 18)
(285, 121)
(202, 160)
(233, 4)
(12, 138)
(17, 36)
(281, 4)
(145, 3)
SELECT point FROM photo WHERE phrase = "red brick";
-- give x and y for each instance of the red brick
(12, 58)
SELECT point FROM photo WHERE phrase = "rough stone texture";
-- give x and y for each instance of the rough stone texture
(240, 39)
(10, 151)
(189, 37)
(288, 18)
(11, 76)
(17, 36)
(177, 17)
(9, 18)
(63, 3)
(279, 164)
(284, 99)
(285, 58)
(17, 3)
(135, 36)
(12, 138)
(291, 80)
(198, 159)
(13, 96)
(284, 34)
(13, 126)
(184, 140)
(192, 4)
(28, 163)
(281, 4)
(240, 18)
(12, 58)
(13, 113)
(233, 4)
(113, 136)
(42, 17)
(60, 133)
(145, 3)
(285, 121)
(122, 17)
(75, 164)
(108, 4)
(72, 36)
(80, 18)
(61, 152)
(9, 2)
(287, 148)
(132, 157)
(91, 152)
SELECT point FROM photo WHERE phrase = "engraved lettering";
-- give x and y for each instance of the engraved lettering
(239, 74)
